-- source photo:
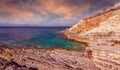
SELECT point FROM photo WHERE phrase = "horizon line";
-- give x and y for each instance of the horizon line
(31, 26)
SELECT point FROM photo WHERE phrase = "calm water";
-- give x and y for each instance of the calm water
(38, 37)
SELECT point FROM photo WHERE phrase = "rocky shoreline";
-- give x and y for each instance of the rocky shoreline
(13, 58)
(101, 32)
(105, 57)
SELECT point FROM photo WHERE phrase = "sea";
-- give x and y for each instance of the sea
(38, 37)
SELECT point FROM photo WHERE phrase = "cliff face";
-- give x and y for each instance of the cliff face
(102, 33)
(104, 25)
(95, 20)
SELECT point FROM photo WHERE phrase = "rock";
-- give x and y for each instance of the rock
(102, 33)
(44, 59)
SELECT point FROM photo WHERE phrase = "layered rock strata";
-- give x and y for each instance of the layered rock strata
(102, 33)
(43, 59)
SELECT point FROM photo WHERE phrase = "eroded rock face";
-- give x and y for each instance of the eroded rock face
(43, 59)
(106, 57)
(95, 20)
(102, 33)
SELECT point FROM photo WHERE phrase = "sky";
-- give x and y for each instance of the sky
(48, 12)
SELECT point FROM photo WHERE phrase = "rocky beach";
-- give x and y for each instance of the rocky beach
(44, 59)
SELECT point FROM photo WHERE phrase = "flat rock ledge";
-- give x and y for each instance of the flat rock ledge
(43, 59)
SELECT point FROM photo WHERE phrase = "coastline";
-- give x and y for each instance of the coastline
(105, 57)
(67, 36)
(94, 57)
(100, 33)
(44, 59)
(103, 41)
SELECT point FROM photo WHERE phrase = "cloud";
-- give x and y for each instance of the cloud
(24, 11)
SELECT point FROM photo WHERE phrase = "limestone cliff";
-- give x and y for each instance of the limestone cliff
(102, 33)
(104, 25)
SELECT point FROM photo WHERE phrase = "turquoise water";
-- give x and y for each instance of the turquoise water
(42, 37)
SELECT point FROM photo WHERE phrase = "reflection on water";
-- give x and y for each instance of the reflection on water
(38, 37)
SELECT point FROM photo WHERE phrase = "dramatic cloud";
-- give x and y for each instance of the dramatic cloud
(48, 12)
